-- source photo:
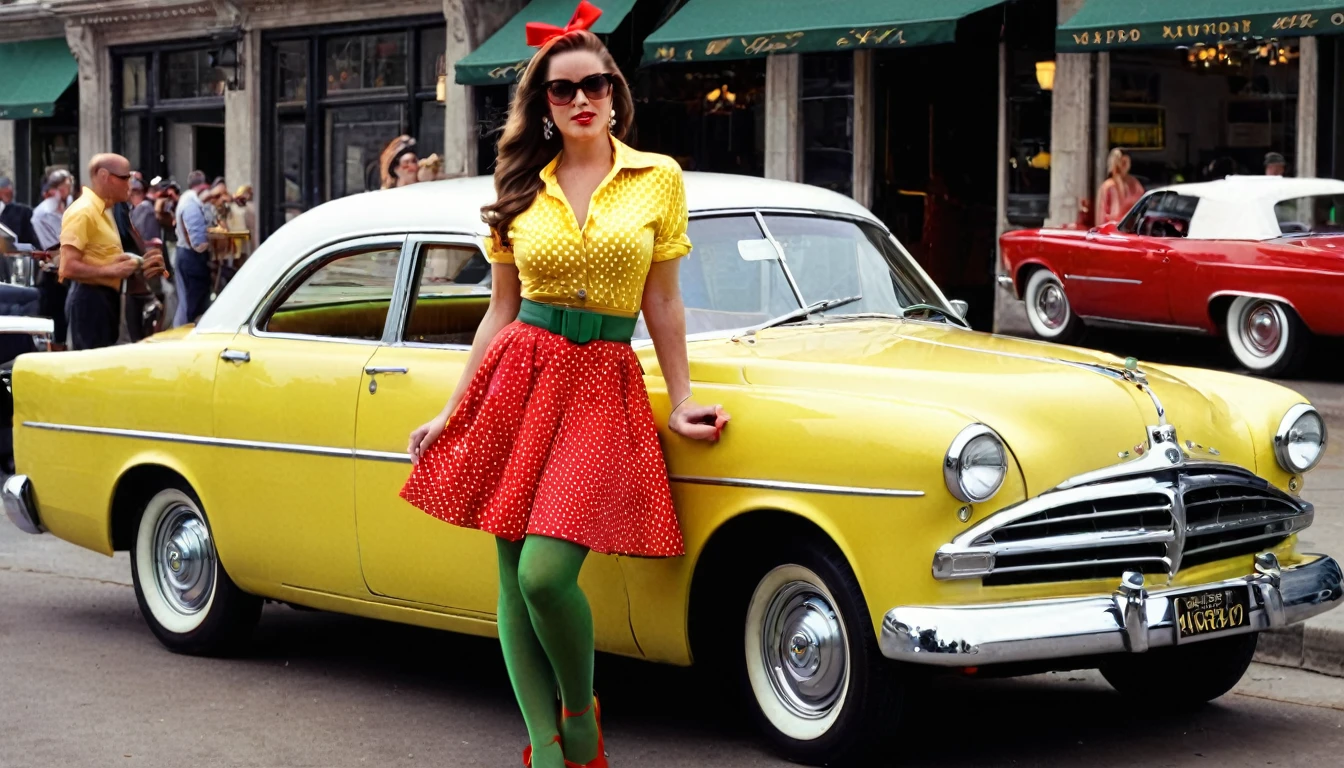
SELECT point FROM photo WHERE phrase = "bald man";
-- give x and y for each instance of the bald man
(92, 257)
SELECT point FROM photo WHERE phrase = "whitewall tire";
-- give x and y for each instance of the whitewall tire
(817, 686)
(1048, 309)
(1264, 335)
(188, 600)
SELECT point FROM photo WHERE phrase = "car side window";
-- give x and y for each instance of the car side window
(345, 296)
(1130, 224)
(451, 294)
(1168, 216)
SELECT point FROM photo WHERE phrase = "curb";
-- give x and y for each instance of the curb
(1303, 646)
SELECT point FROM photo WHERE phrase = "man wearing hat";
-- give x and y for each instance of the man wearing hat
(1275, 165)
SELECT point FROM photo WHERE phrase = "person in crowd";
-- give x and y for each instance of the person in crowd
(398, 164)
(48, 213)
(219, 201)
(192, 257)
(93, 258)
(517, 451)
(243, 218)
(1275, 165)
(142, 212)
(1120, 191)
(47, 218)
(165, 207)
(16, 216)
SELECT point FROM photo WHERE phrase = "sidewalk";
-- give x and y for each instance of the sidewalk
(1316, 645)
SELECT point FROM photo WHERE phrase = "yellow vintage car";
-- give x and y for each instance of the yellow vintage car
(896, 494)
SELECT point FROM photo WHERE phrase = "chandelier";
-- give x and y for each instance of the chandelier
(1238, 54)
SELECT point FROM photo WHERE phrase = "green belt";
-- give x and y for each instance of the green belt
(578, 325)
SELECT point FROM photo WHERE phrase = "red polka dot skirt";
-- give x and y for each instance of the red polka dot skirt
(557, 439)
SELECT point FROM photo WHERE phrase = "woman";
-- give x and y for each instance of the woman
(549, 441)
(398, 163)
(1119, 192)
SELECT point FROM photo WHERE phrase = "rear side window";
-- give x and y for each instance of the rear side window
(452, 293)
(1311, 215)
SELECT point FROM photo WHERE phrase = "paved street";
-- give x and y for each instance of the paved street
(84, 683)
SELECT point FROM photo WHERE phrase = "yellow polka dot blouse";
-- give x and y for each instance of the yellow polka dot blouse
(637, 216)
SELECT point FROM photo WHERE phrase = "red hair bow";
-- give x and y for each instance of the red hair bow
(540, 33)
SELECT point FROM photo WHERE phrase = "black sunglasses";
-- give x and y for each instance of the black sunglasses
(562, 92)
(122, 176)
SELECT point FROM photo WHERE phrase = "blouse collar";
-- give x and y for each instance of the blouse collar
(623, 157)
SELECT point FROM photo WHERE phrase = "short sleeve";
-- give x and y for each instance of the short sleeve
(75, 229)
(495, 250)
(670, 241)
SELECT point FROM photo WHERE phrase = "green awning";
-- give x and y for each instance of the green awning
(706, 30)
(502, 58)
(1103, 24)
(35, 74)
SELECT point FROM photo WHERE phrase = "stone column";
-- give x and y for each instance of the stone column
(1070, 137)
(95, 88)
(864, 103)
(1308, 88)
(1101, 119)
(459, 113)
(783, 134)
(242, 119)
(7, 157)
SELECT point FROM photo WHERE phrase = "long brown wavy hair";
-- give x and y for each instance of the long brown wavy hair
(522, 150)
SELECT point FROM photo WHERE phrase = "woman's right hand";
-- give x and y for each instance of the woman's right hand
(424, 437)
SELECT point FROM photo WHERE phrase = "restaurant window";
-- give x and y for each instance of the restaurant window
(827, 96)
(188, 75)
(1030, 84)
(168, 117)
(709, 117)
(334, 99)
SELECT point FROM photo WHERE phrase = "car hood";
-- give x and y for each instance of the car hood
(1058, 417)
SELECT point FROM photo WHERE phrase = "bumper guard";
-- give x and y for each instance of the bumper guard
(19, 507)
(1132, 619)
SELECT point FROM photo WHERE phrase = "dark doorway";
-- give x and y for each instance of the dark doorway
(209, 140)
(936, 153)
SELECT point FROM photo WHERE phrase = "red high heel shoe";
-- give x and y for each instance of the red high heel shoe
(601, 760)
(527, 752)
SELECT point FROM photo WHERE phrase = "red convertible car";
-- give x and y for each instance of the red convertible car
(1256, 259)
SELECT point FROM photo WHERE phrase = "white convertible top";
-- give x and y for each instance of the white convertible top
(1242, 207)
(454, 207)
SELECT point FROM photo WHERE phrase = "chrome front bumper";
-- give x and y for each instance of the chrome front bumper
(19, 507)
(1132, 619)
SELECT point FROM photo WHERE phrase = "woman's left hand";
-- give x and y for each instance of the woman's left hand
(699, 422)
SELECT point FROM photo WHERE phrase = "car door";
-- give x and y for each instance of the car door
(1121, 271)
(285, 395)
(406, 554)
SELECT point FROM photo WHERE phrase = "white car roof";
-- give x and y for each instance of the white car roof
(1242, 207)
(454, 207)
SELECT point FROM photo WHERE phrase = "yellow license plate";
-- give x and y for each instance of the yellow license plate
(1213, 610)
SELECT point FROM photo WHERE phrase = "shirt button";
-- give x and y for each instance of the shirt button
(583, 294)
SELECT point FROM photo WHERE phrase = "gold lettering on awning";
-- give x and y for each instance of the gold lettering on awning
(1168, 35)
(715, 47)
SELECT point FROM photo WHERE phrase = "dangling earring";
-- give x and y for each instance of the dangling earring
(611, 125)
(547, 128)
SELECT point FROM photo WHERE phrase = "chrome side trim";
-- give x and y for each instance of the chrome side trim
(780, 485)
(1131, 619)
(1121, 280)
(173, 437)
(396, 458)
(1110, 322)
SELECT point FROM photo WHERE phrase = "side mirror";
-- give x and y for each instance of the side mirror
(960, 307)
(1109, 228)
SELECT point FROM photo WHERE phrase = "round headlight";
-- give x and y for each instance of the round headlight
(976, 464)
(1300, 441)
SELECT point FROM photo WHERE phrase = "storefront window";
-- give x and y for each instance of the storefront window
(291, 165)
(433, 43)
(291, 71)
(1029, 106)
(132, 139)
(429, 131)
(364, 62)
(188, 75)
(1204, 112)
(492, 111)
(134, 85)
(827, 96)
(355, 136)
(709, 117)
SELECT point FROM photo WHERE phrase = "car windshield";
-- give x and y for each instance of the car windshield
(1311, 215)
(734, 278)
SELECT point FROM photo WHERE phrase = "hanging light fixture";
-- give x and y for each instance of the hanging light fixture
(441, 89)
(1045, 75)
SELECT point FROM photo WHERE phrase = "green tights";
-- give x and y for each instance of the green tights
(546, 631)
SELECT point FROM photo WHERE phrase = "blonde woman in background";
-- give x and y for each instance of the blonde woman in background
(1119, 192)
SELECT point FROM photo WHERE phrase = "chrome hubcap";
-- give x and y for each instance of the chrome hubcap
(184, 560)
(803, 647)
(1052, 307)
(1262, 328)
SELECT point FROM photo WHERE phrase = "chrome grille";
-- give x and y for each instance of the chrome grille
(1155, 523)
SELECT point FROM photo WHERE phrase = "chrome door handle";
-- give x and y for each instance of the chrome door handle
(374, 370)
(235, 356)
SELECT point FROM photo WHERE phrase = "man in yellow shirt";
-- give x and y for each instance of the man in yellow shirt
(92, 257)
